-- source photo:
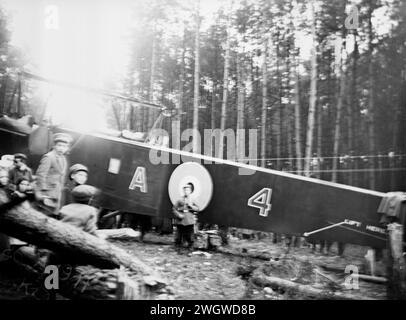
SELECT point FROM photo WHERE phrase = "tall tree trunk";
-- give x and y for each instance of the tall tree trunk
(214, 99)
(196, 147)
(213, 96)
(225, 86)
(279, 110)
(19, 93)
(319, 139)
(289, 135)
(337, 133)
(397, 132)
(240, 110)
(351, 110)
(350, 130)
(312, 98)
(298, 129)
(252, 102)
(289, 110)
(371, 109)
(213, 107)
(3, 91)
(340, 101)
(355, 114)
(142, 111)
(135, 117)
(179, 117)
(264, 100)
(296, 94)
(132, 118)
(150, 112)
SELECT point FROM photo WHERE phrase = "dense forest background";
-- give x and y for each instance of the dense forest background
(323, 82)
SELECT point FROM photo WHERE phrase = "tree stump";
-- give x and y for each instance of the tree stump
(396, 285)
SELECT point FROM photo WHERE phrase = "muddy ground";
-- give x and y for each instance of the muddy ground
(216, 275)
(196, 275)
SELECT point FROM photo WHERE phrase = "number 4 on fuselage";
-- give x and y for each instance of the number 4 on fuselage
(262, 201)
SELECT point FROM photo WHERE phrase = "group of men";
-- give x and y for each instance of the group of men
(66, 201)
(17, 180)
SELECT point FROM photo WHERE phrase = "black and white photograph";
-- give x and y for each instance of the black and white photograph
(205, 156)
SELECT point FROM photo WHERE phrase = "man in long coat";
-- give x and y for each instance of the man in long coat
(51, 174)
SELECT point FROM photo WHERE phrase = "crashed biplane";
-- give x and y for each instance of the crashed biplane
(265, 200)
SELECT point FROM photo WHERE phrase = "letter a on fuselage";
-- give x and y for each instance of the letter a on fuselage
(139, 180)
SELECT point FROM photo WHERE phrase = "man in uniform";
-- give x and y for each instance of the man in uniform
(20, 169)
(185, 210)
(51, 174)
(80, 213)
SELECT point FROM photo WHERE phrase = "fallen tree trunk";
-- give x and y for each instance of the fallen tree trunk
(122, 234)
(373, 279)
(263, 280)
(30, 225)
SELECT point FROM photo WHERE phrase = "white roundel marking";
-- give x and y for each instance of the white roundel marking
(195, 173)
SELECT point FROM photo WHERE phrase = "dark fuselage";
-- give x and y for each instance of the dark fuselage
(266, 200)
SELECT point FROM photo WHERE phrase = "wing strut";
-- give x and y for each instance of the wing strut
(306, 234)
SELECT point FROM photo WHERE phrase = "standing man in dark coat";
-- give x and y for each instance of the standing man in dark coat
(185, 211)
(51, 174)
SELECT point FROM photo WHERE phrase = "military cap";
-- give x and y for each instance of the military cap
(21, 156)
(84, 192)
(62, 137)
(76, 168)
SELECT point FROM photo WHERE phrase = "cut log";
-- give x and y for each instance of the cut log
(214, 241)
(30, 225)
(260, 279)
(123, 234)
(372, 279)
(201, 241)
